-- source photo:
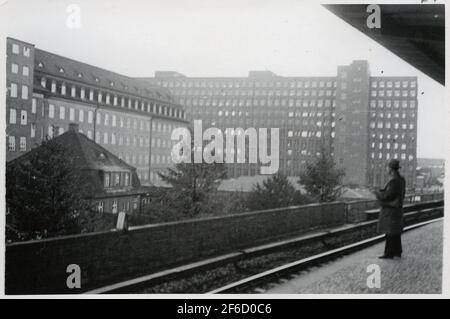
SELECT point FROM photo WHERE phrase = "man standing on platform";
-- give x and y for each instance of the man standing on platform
(390, 221)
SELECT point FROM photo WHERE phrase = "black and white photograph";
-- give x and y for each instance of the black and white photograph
(210, 148)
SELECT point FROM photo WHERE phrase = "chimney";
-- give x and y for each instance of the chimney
(73, 127)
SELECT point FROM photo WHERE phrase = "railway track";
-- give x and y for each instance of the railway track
(326, 238)
(255, 283)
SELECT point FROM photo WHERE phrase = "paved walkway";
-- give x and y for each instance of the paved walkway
(419, 271)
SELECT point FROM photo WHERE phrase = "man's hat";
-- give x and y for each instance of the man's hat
(394, 164)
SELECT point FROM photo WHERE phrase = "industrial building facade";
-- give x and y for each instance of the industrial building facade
(46, 92)
(362, 120)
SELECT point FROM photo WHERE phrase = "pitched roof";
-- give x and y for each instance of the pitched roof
(60, 66)
(90, 155)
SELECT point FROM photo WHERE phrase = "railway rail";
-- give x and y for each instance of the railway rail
(424, 214)
(255, 282)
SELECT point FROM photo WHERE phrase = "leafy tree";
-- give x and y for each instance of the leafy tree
(193, 184)
(274, 192)
(45, 194)
(322, 180)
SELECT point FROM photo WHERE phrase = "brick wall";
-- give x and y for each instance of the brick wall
(40, 266)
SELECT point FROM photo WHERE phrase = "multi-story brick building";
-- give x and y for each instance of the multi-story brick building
(363, 120)
(47, 92)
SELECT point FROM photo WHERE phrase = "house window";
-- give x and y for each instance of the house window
(11, 143)
(15, 48)
(13, 90)
(33, 106)
(24, 92)
(114, 207)
(23, 117)
(62, 112)
(14, 68)
(23, 144)
(100, 207)
(127, 179)
(25, 71)
(71, 114)
(51, 111)
(106, 179)
(26, 51)
(33, 130)
(81, 116)
(90, 116)
(117, 179)
(12, 116)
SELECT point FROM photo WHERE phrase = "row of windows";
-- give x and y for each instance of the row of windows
(388, 145)
(253, 93)
(116, 179)
(389, 125)
(309, 133)
(104, 118)
(12, 143)
(389, 115)
(15, 69)
(115, 206)
(396, 93)
(13, 92)
(258, 102)
(189, 83)
(387, 156)
(134, 159)
(396, 84)
(16, 49)
(395, 103)
(395, 136)
(112, 99)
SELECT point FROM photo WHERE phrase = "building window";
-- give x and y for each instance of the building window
(105, 138)
(24, 92)
(12, 116)
(14, 68)
(51, 111)
(13, 90)
(33, 130)
(25, 71)
(62, 112)
(11, 143)
(33, 106)
(23, 117)
(81, 116)
(100, 207)
(114, 207)
(72, 114)
(107, 179)
(26, 51)
(90, 116)
(15, 48)
(23, 144)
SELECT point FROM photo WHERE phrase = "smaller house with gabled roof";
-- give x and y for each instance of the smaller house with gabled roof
(114, 185)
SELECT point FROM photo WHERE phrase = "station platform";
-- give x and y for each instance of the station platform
(419, 271)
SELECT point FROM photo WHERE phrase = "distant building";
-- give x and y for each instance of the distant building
(114, 184)
(129, 117)
(363, 120)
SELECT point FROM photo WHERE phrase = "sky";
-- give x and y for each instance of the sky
(217, 38)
